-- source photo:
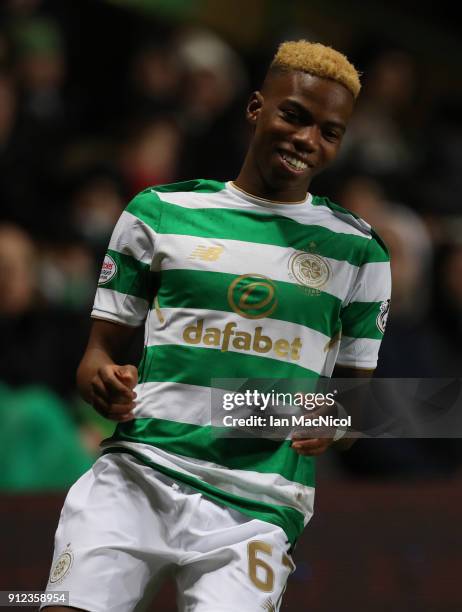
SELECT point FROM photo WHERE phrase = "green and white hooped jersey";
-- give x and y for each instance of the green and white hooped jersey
(245, 288)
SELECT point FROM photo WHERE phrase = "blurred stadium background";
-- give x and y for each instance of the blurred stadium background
(99, 99)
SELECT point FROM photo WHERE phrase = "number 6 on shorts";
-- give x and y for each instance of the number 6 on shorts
(266, 584)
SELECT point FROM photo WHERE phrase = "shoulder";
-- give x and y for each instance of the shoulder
(195, 185)
(147, 205)
(151, 199)
(344, 215)
(375, 250)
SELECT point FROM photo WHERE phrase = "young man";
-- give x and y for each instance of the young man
(251, 278)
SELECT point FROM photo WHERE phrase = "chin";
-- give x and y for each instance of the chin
(281, 180)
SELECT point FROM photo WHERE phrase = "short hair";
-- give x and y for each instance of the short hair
(318, 60)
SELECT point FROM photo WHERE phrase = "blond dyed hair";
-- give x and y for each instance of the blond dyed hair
(318, 60)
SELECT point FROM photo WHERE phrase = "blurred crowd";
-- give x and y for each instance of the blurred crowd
(96, 104)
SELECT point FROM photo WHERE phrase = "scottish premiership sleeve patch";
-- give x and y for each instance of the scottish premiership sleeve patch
(108, 270)
(382, 317)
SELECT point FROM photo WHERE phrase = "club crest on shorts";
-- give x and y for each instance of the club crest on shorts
(62, 566)
(382, 317)
(309, 269)
(108, 270)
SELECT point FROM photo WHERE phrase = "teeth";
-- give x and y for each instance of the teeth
(296, 163)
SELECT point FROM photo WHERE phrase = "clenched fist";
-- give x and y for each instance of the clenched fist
(112, 391)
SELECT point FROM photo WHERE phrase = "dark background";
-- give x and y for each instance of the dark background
(99, 100)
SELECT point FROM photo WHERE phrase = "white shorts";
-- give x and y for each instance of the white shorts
(124, 526)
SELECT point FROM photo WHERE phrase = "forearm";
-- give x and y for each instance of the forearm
(351, 404)
(93, 360)
(107, 347)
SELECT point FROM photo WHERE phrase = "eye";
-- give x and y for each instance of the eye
(290, 116)
(331, 135)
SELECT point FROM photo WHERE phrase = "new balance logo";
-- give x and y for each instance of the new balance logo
(206, 253)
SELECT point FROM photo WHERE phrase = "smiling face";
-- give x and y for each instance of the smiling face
(299, 122)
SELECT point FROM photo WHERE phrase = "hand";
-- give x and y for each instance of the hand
(311, 447)
(307, 442)
(112, 391)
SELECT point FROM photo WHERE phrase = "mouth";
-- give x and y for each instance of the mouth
(293, 163)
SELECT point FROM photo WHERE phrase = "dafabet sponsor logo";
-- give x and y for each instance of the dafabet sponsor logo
(251, 296)
(229, 337)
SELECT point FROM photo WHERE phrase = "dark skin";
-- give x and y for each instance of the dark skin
(296, 115)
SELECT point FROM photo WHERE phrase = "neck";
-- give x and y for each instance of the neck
(251, 180)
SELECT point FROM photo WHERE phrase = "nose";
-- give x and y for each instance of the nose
(307, 138)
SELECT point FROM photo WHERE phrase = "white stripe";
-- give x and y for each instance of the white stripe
(239, 257)
(306, 214)
(358, 352)
(119, 307)
(247, 484)
(192, 200)
(312, 354)
(133, 237)
(182, 403)
(359, 226)
(190, 404)
(373, 283)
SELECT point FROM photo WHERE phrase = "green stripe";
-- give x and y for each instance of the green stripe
(380, 244)
(147, 206)
(262, 228)
(197, 366)
(196, 185)
(377, 248)
(256, 227)
(289, 519)
(197, 441)
(246, 225)
(132, 278)
(209, 291)
(359, 320)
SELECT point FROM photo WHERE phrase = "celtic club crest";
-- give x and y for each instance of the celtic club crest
(309, 270)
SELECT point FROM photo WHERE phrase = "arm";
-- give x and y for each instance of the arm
(363, 325)
(100, 380)
(348, 372)
(126, 289)
(316, 446)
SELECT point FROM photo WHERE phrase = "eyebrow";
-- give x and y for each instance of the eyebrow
(302, 109)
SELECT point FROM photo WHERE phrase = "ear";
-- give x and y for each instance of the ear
(254, 107)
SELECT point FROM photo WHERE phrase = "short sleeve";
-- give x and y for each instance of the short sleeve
(365, 314)
(126, 285)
